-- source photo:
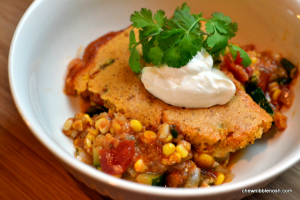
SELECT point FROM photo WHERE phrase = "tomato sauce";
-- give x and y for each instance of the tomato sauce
(116, 160)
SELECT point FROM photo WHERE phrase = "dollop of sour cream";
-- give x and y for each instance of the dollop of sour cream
(196, 85)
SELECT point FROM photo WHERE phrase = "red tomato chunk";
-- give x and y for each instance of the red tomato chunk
(115, 161)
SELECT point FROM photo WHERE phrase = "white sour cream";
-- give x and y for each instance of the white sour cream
(196, 85)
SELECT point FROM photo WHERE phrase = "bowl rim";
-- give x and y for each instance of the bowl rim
(64, 157)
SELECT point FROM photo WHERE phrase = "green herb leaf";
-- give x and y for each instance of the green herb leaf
(243, 54)
(173, 130)
(134, 60)
(177, 40)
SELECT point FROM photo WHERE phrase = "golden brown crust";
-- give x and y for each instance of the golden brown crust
(217, 130)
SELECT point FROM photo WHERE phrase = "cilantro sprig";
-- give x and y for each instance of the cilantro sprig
(177, 40)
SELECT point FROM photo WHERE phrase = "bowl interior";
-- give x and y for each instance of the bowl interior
(51, 34)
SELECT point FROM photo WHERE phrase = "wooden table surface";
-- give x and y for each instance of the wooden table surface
(28, 170)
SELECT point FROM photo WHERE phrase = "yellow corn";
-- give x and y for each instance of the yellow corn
(68, 124)
(149, 136)
(253, 60)
(220, 178)
(76, 141)
(116, 126)
(90, 137)
(204, 160)
(186, 144)
(103, 125)
(164, 131)
(168, 149)
(140, 166)
(74, 133)
(93, 132)
(88, 142)
(175, 158)
(276, 94)
(273, 86)
(136, 125)
(77, 125)
(88, 119)
(183, 152)
(169, 138)
(112, 130)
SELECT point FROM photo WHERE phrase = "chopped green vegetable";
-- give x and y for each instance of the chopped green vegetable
(159, 181)
(259, 97)
(177, 40)
(96, 157)
(252, 84)
(77, 152)
(152, 179)
(174, 132)
(289, 67)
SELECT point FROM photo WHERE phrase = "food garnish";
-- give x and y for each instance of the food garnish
(177, 40)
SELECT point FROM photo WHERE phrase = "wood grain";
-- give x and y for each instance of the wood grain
(28, 170)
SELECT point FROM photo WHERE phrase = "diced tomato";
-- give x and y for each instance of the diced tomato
(249, 47)
(237, 70)
(115, 161)
(249, 71)
(287, 96)
(239, 59)
(264, 79)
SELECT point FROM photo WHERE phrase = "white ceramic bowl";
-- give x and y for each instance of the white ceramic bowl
(51, 32)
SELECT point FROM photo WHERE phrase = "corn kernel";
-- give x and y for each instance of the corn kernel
(77, 125)
(103, 125)
(186, 144)
(88, 119)
(183, 152)
(90, 136)
(168, 149)
(220, 178)
(68, 124)
(93, 132)
(276, 94)
(169, 138)
(204, 160)
(164, 131)
(74, 133)
(273, 86)
(88, 142)
(112, 130)
(140, 166)
(175, 158)
(253, 60)
(116, 126)
(76, 141)
(149, 136)
(136, 125)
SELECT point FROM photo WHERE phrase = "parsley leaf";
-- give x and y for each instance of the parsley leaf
(243, 54)
(177, 40)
